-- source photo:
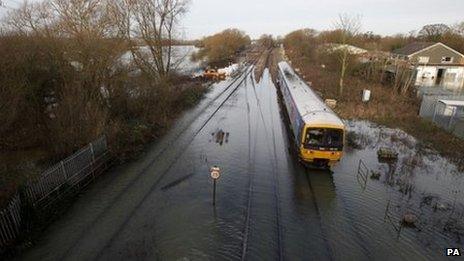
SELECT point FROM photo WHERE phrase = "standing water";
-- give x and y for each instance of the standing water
(268, 206)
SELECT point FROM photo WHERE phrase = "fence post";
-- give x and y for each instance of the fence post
(93, 151)
(64, 170)
(451, 119)
(434, 111)
(92, 162)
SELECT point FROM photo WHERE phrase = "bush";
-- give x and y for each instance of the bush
(222, 48)
(303, 43)
(191, 95)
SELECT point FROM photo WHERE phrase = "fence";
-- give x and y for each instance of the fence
(75, 171)
(437, 91)
(10, 222)
(433, 110)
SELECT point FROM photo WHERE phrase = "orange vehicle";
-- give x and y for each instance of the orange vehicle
(214, 74)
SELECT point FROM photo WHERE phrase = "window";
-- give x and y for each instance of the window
(450, 77)
(447, 59)
(424, 59)
(325, 138)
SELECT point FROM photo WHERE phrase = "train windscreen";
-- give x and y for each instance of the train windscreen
(323, 139)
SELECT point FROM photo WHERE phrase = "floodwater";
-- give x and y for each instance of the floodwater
(268, 206)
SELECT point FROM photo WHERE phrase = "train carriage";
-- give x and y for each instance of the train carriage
(318, 132)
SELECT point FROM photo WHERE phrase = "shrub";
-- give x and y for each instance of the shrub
(222, 48)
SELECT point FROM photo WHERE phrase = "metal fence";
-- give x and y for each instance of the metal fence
(10, 222)
(75, 171)
(431, 109)
(429, 103)
(437, 91)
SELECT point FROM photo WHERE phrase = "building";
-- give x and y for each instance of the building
(435, 64)
(353, 50)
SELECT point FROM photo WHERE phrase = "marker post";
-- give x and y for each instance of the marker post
(215, 174)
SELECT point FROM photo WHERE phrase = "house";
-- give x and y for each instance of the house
(435, 64)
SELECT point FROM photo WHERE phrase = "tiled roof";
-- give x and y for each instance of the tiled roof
(413, 48)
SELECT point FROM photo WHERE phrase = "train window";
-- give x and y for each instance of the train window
(314, 137)
(317, 138)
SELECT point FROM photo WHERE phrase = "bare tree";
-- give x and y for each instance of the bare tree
(433, 32)
(152, 24)
(349, 27)
(83, 18)
(459, 28)
(32, 18)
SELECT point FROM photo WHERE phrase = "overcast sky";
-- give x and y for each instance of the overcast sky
(279, 17)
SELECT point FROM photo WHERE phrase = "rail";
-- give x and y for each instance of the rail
(363, 174)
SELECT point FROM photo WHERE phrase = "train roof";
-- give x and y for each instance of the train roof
(310, 106)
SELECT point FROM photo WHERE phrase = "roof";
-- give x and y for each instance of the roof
(413, 48)
(416, 47)
(310, 106)
(452, 102)
(351, 48)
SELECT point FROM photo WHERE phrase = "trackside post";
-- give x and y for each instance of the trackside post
(215, 174)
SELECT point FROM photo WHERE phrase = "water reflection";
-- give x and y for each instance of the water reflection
(421, 184)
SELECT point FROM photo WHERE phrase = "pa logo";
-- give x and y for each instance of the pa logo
(453, 252)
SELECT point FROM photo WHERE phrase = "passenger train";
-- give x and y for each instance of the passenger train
(318, 132)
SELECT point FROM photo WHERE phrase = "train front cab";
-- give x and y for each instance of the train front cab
(322, 145)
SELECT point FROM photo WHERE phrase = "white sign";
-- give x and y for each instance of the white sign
(215, 172)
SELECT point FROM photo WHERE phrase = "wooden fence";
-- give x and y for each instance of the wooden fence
(68, 175)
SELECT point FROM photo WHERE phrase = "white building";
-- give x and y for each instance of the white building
(435, 63)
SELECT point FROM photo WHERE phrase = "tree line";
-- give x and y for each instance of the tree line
(73, 70)
(306, 44)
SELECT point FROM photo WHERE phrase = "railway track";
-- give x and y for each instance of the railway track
(314, 201)
(294, 152)
(250, 183)
(233, 86)
(276, 184)
(273, 151)
(319, 216)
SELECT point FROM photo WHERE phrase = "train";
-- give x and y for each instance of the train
(318, 132)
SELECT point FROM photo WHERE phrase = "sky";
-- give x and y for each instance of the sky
(279, 17)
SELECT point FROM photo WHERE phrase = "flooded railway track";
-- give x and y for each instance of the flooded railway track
(273, 152)
(222, 98)
(247, 71)
(269, 207)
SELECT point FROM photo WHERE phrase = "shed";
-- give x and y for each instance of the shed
(448, 113)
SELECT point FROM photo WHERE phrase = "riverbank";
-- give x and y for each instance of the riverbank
(385, 107)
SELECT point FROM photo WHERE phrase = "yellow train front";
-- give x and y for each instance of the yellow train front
(322, 145)
(318, 132)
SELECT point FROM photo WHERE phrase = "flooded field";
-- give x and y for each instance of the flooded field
(268, 205)
(420, 183)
